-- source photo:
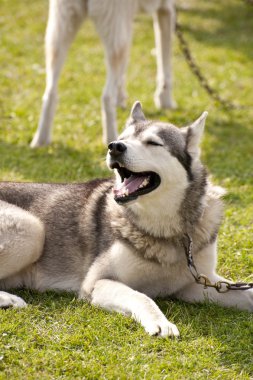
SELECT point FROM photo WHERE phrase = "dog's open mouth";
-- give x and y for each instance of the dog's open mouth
(133, 184)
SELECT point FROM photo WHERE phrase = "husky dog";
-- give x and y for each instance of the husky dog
(113, 20)
(118, 243)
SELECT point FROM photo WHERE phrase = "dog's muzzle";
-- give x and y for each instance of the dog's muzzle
(133, 184)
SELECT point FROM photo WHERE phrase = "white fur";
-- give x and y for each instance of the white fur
(113, 20)
(113, 295)
(9, 300)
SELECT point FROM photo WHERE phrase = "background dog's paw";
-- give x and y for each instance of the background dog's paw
(162, 328)
(9, 300)
(39, 141)
(163, 100)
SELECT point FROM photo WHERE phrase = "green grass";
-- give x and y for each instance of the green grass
(57, 336)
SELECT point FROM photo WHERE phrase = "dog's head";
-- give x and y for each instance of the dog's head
(152, 157)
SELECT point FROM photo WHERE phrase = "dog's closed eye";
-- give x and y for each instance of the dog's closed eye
(155, 143)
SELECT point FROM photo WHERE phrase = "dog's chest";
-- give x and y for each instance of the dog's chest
(161, 250)
(146, 275)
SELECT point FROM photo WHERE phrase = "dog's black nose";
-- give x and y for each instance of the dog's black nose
(116, 148)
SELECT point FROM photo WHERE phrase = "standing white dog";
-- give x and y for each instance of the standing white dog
(113, 20)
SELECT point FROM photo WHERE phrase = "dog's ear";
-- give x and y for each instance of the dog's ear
(193, 135)
(136, 113)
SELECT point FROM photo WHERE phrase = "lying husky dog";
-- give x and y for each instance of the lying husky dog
(113, 20)
(119, 244)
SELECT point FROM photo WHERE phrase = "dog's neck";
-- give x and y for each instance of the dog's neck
(158, 214)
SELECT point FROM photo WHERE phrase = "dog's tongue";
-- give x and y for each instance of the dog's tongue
(131, 185)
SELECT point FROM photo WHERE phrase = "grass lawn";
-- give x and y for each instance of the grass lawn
(57, 336)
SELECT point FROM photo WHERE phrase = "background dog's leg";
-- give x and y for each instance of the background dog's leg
(113, 295)
(113, 21)
(164, 20)
(241, 299)
(114, 91)
(21, 242)
(122, 94)
(64, 20)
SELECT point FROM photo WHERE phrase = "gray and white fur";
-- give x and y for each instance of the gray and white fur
(119, 243)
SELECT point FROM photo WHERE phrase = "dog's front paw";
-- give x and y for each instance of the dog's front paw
(9, 300)
(161, 327)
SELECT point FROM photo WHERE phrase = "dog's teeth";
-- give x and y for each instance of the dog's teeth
(144, 183)
(126, 193)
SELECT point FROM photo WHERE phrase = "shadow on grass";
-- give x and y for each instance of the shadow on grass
(233, 31)
(56, 163)
(46, 300)
(228, 153)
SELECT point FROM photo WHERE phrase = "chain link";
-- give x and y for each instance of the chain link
(220, 286)
(213, 93)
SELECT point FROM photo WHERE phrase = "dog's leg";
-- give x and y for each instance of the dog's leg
(122, 94)
(113, 21)
(114, 92)
(113, 295)
(21, 242)
(241, 299)
(164, 20)
(64, 20)
(205, 261)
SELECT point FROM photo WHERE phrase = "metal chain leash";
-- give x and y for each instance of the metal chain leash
(213, 93)
(220, 286)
